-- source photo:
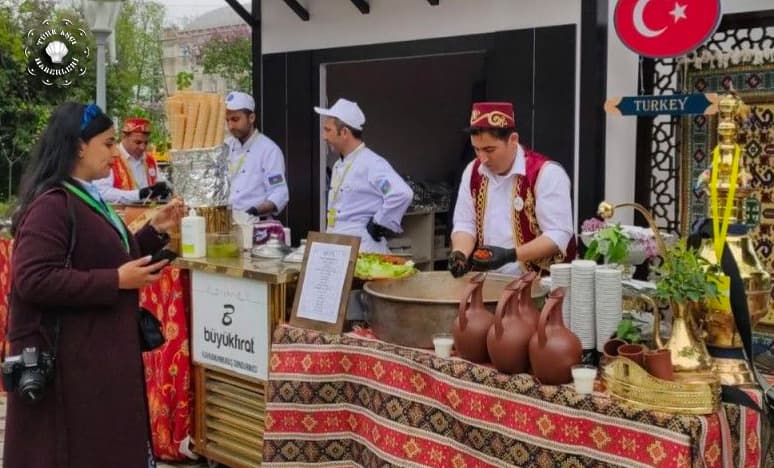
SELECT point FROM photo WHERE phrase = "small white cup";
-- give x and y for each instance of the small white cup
(287, 236)
(443, 344)
(583, 377)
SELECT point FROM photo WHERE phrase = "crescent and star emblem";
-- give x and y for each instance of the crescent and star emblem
(678, 13)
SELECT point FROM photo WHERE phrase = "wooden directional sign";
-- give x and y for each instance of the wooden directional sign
(674, 104)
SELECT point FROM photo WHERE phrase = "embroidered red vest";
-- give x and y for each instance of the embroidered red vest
(122, 174)
(525, 224)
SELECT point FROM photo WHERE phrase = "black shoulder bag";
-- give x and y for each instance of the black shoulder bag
(151, 336)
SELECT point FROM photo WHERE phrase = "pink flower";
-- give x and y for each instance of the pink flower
(593, 225)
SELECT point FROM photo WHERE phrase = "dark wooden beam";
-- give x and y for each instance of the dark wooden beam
(593, 83)
(298, 9)
(240, 10)
(362, 5)
(257, 54)
(434, 2)
(254, 21)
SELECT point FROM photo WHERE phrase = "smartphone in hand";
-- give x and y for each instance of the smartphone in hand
(163, 254)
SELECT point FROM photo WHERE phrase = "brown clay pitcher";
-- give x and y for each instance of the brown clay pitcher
(554, 349)
(527, 309)
(514, 324)
(472, 323)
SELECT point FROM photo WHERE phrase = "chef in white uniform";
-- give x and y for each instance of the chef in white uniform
(367, 198)
(256, 163)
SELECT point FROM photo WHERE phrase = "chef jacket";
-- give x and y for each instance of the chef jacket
(257, 170)
(364, 185)
(553, 206)
(137, 165)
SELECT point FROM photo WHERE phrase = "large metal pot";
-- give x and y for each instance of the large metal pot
(409, 311)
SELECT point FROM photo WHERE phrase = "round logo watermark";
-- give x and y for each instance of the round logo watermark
(57, 52)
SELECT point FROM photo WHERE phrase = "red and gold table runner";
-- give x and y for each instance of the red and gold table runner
(362, 402)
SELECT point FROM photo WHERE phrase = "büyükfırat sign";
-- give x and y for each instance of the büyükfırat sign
(665, 28)
(675, 104)
(230, 326)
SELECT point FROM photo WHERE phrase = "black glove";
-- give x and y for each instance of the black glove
(458, 264)
(490, 257)
(157, 190)
(253, 211)
(377, 232)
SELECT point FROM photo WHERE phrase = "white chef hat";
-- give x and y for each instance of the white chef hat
(237, 100)
(346, 111)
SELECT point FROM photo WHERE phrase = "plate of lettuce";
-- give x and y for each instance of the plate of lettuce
(382, 266)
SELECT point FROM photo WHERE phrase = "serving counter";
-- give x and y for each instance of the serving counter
(357, 401)
(235, 305)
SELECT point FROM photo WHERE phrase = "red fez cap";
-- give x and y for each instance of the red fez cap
(136, 124)
(492, 115)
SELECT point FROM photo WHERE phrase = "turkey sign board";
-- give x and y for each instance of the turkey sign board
(666, 28)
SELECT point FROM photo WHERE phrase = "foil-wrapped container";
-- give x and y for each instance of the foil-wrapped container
(201, 176)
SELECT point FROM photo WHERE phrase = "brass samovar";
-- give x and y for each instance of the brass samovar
(718, 323)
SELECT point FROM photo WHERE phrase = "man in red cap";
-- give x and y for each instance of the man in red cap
(135, 176)
(513, 203)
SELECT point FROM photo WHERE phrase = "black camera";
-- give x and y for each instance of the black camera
(28, 373)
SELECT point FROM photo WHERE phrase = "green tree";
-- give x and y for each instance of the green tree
(139, 30)
(183, 80)
(138, 74)
(22, 115)
(231, 58)
(134, 82)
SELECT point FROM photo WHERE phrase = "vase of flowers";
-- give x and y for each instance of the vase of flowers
(622, 245)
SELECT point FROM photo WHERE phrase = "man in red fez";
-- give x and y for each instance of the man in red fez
(135, 176)
(513, 207)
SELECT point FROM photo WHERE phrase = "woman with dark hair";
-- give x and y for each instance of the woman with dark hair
(76, 273)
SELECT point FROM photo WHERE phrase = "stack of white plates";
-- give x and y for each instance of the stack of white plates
(608, 303)
(582, 320)
(561, 273)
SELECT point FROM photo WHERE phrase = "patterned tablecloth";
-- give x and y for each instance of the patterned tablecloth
(363, 402)
(5, 288)
(167, 369)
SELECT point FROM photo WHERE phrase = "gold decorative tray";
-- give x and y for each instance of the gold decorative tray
(690, 393)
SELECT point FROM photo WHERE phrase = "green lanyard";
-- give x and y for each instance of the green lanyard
(235, 171)
(336, 184)
(103, 209)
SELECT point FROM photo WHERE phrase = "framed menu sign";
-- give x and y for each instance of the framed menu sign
(324, 283)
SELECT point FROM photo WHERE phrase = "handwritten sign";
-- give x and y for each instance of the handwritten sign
(230, 324)
(324, 283)
(675, 104)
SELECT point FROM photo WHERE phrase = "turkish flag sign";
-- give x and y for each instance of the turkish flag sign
(666, 28)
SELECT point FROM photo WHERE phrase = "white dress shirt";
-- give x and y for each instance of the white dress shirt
(257, 170)
(553, 206)
(364, 185)
(137, 165)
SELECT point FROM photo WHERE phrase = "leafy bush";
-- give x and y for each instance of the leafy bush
(685, 276)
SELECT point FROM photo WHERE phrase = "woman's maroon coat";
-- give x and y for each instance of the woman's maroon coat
(95, 413)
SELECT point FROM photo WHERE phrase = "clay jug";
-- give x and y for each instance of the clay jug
(527, 309)
(554, 349)
(514, 324)
(472, 323)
